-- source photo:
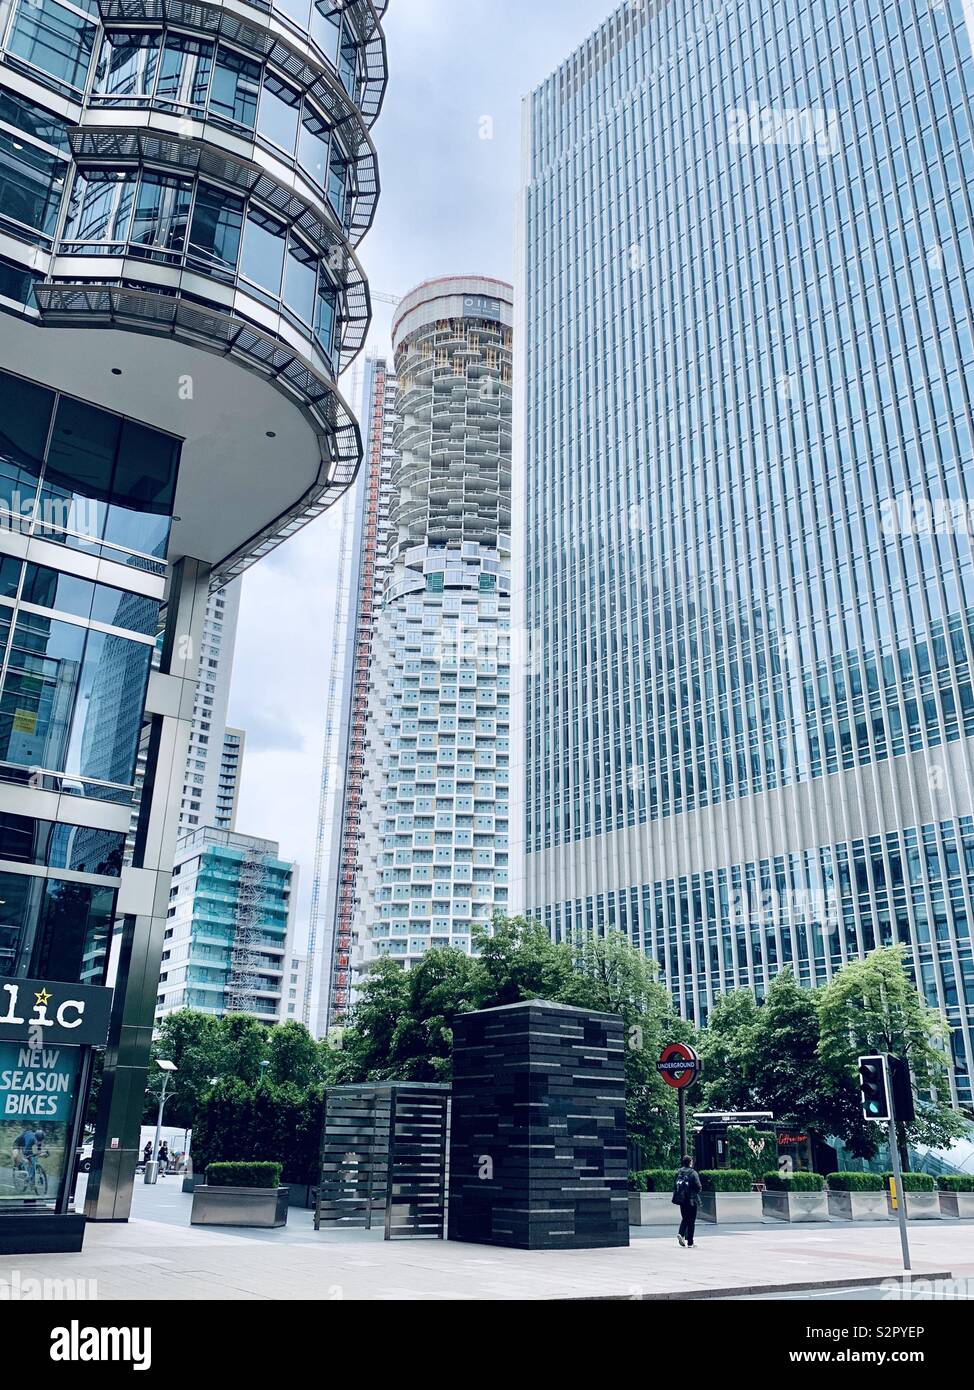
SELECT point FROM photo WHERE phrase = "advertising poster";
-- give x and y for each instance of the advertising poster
(37, 1088)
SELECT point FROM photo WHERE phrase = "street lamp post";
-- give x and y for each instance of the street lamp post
(152, 1167)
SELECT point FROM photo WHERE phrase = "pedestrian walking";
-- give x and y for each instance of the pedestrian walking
(164, 1158)
(686, 1193)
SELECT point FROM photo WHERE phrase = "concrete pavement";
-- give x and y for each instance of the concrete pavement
(158, 1255)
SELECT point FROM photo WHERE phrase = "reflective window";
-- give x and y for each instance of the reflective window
(60, 846)
(337, 178)
(31, 183)
(184, 71)
(313, 143)
(100, 208)
(348, 61)
(72, 699)
(278, 116)
(236, 82)
(55, 928)
(50, 588)
(325, 318)
(143, 490)
(262, 258)
(296, 10)
(25, 410)
(108, 479)
(127, 65)
(17, 111)
(161, 212)
(217, 220)
(326, 26)
(299, 280)
(48, 36)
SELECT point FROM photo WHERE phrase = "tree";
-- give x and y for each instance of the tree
(872, 1005)
(727, 1052)
(613, 976)
(517, 959)
(193, 1041)
(295, 1057)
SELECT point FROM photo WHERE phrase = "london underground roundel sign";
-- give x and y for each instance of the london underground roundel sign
(678, 1064)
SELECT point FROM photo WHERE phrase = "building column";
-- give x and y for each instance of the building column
(143, 898)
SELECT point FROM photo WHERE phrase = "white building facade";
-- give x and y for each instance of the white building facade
(434, 848)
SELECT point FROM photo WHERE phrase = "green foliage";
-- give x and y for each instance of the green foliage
(727, 1050)
(956, 1182)
(653, 1180)
(205, 1048)
(751, 1149)
(872, 1005)
(726, 1180)
(912, 1182)
(402, 1025)
(242, 1123)
(796, 1054)
(794, 1182)
(855, 1182)
(243, 1175)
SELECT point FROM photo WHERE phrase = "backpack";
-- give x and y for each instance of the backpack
(682, 1190)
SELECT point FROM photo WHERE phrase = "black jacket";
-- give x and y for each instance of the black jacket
(696, 1187)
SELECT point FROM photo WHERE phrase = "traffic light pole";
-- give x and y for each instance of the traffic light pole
(894, 1153)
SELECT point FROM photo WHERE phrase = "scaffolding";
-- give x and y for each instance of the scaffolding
(245, 956)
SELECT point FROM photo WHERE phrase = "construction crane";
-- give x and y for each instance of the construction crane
(392, 299)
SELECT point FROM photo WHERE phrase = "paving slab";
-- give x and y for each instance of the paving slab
(157, 1255)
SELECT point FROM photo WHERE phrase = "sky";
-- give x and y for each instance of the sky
(446, 208)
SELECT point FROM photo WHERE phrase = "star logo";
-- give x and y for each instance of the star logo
(42, 996)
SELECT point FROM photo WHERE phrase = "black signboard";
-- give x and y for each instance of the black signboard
(49, 1011)
(481, 306)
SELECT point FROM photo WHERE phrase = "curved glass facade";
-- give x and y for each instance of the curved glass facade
(276, 216)
(189, 178)
(749, 371)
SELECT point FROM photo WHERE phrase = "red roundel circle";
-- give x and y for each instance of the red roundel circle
(678, 1064)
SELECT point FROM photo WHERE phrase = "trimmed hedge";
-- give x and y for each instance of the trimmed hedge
(236, 1123)
(726, 1180)
(913, 1182)
(794, 1182)
(855, 1182)
(243, 1175)
(956, 1182)
(653, 1180)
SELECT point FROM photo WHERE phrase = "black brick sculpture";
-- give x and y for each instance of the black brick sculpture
(538, 1142)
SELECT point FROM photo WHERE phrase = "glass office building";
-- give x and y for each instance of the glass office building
(743, 493)
(182, 189)
(229, 928)
(433, 819)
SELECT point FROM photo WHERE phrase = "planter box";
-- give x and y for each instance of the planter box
(859, 1206)
(957, 1204)
(653, 1209)
(41, 1232)
(796, 1206)
(736, 1208)
(920, 1206)
(239, 1206)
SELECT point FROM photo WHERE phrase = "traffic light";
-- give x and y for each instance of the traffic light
(899, 1072)
(874, 1085)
